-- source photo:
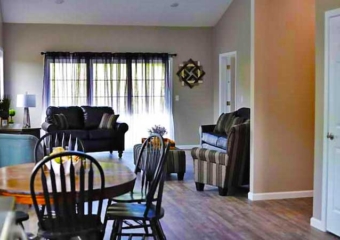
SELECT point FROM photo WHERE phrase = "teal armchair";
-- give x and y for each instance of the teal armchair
(16, 149)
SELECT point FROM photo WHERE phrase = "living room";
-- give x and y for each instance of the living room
(285, 94)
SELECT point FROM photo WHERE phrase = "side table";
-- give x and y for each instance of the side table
(17, 128)
(175, 162)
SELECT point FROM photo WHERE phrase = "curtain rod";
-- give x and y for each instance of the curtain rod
(171, 54)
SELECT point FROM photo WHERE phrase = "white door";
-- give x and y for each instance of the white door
(333, 135)
(227, 84)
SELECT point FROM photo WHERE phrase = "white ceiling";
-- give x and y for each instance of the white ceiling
(193, 13)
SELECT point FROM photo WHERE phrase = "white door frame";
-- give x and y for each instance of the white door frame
(323, 224)
(223, 58)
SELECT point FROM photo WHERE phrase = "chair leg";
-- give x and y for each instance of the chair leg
(120, 154)
(106, 219)
(180, 176)
(199, 186)
(114, 230)
(145, 227)
(160, 230)
(222, 191)
(154, 229)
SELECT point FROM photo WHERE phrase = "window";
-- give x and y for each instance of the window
(68, 84)
(136, 86)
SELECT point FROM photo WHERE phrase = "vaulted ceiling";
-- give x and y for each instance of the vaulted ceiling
(189, 13)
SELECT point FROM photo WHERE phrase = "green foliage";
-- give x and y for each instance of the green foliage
(5, 103)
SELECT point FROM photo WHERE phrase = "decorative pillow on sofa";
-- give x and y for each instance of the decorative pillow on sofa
(224, 123)
(60, 121)
(108, 121)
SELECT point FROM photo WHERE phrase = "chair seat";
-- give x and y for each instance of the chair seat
(130, 197)
(87, 224)
(132, 211)
(21, 216)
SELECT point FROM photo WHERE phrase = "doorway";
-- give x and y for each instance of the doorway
(227, 82)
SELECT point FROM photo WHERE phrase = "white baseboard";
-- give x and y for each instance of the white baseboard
(318, 224)
(279, 195)
(187, 147)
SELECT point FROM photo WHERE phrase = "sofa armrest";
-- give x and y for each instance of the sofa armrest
(240, 133)
(121, 127)
(211, 156)
(238, 149)
(49, 127)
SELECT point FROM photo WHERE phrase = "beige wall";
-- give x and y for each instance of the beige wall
(1, 24)
(24, 64)
(321, 7)
(284, 95)
(232, 33)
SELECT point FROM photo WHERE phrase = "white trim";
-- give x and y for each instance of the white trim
(318, 224)
(279, 195)
(252, 96)
(186, 147)
(221, 78)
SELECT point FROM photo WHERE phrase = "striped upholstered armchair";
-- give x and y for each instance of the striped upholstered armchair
(227, 170)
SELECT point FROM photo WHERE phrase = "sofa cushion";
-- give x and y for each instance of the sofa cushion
(211, 138)
(93, 115)
(224, 123)
(60, 121)
(101, 133)
(74, 116)
(108, 121)
(222, 142)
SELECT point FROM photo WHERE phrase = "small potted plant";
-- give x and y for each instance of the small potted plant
(158, 129)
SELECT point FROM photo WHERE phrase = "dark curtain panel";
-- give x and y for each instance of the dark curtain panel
(65, 79)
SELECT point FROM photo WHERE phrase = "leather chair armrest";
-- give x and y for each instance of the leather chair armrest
(121, 127)
(48, 127)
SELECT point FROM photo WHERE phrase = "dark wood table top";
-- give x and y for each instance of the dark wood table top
(15, 181)
(15, 127)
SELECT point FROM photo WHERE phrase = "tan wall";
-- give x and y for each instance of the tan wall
(321, 6)
(24, 64)
(232, 33)
(284, 95)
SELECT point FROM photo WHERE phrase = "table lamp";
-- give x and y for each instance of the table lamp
(26, 101)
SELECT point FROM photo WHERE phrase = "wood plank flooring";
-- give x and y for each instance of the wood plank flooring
(192, 215)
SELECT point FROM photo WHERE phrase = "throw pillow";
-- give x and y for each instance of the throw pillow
(108, 121)
(60, 121)
(235, 121)
(224, 122)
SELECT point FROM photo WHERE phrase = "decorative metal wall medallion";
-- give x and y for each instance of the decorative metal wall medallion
(190, 73)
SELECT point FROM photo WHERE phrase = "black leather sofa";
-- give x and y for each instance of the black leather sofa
(83, 123)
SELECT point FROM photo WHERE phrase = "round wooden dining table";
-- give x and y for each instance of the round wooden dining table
(15, 181)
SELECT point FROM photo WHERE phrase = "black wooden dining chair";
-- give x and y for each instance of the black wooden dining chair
(152, 149)
(46, 143)
(69, 199)
(147, 213)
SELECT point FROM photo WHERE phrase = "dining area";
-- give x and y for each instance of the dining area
(76, 196)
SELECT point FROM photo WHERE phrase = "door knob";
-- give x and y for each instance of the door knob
(330, 136)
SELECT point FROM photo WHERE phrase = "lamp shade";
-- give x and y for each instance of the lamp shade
(25, 100)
